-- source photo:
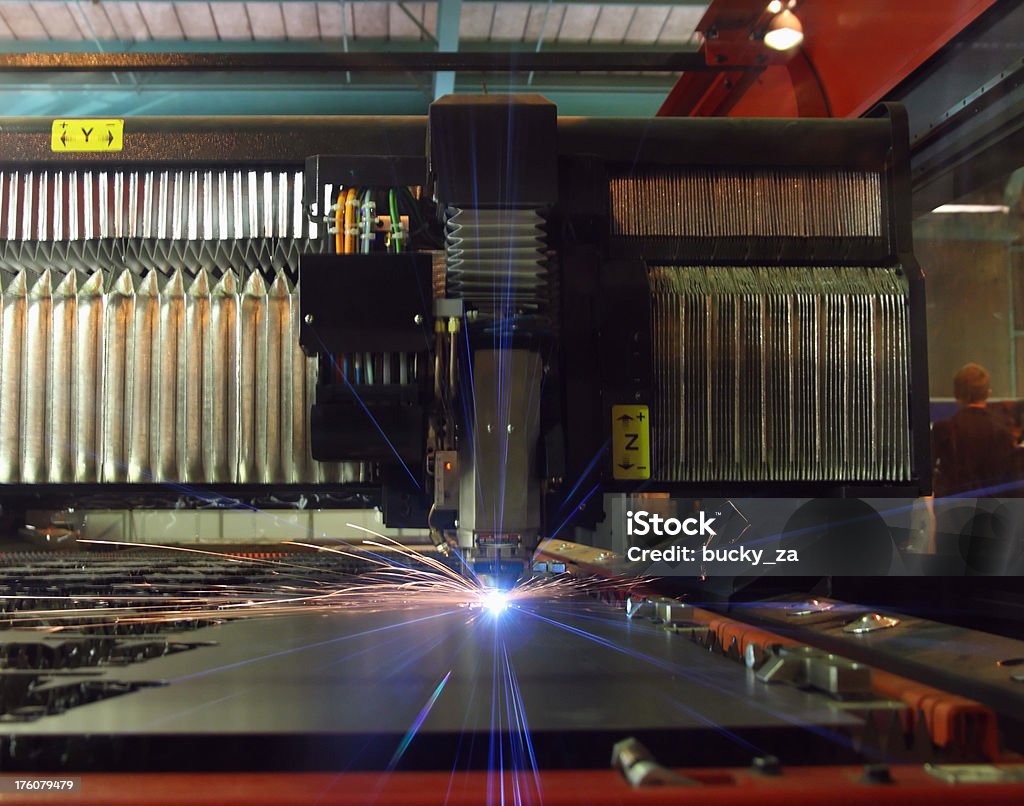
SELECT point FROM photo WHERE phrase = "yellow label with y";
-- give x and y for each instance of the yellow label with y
(87, 134)
(631, 442)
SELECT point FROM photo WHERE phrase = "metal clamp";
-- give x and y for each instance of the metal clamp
(806, 666)
(639, 767)
(871, 622)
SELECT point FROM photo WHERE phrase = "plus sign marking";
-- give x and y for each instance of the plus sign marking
(631, 443)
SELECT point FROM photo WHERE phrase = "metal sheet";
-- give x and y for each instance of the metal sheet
(355, 683)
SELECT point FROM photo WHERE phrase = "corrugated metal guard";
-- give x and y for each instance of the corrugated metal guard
(154, 220)
(780, 374)
(120, 378)
(715, 203)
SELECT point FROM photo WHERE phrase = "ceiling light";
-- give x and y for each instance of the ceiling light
(784, 31)
(972, 208)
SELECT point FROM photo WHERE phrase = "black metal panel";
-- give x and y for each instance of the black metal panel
(774, 143)
(197, 142)
(494, 150)
(625, 333)
(403, 500)
(338, 62)
(380, 423)
(583, 421)
(378, 302)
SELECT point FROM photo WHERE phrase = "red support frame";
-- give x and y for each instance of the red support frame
(910, 784)
(852, 55)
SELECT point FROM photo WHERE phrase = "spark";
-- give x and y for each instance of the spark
(399, 577)
(495, 601)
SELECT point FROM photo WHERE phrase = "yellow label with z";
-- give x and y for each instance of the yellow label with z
(631, 443)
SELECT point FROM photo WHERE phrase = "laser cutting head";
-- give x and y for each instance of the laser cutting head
(502, 581)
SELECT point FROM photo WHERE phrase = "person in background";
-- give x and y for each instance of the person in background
(973, 452)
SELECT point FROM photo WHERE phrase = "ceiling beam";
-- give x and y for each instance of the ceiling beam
(323, 62)
(319, 46)
(221, 81)
(449, 18)
(287, 2)
(219, 99)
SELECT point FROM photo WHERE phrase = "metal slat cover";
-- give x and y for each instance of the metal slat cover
(116, 378)
(732, 203)
(146, 220)
(780, 374)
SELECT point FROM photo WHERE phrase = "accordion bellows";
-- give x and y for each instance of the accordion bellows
(109, 377)
(780, 374)
(150, 328)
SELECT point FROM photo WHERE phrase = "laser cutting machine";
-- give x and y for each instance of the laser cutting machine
(483, 323)
(474, 295)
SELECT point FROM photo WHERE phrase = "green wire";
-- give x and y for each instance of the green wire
(364, 244)
(396, 220)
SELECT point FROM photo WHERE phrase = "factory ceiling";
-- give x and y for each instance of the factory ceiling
(359, 22)
(346, 26)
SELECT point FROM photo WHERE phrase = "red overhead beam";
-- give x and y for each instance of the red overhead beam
(911, 785)
(852, 55)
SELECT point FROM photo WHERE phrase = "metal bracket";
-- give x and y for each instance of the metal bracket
(977, 773)
(805, 666)
(639, 767)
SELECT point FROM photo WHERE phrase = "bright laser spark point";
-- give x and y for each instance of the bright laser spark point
(495, 601)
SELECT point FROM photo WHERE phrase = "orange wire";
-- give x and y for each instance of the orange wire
(350, 221)
(339, 223)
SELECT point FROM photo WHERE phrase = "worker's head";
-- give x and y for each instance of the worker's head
(971, 384)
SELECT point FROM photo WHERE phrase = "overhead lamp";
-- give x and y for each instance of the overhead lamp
(971, 208)
(783, 31)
